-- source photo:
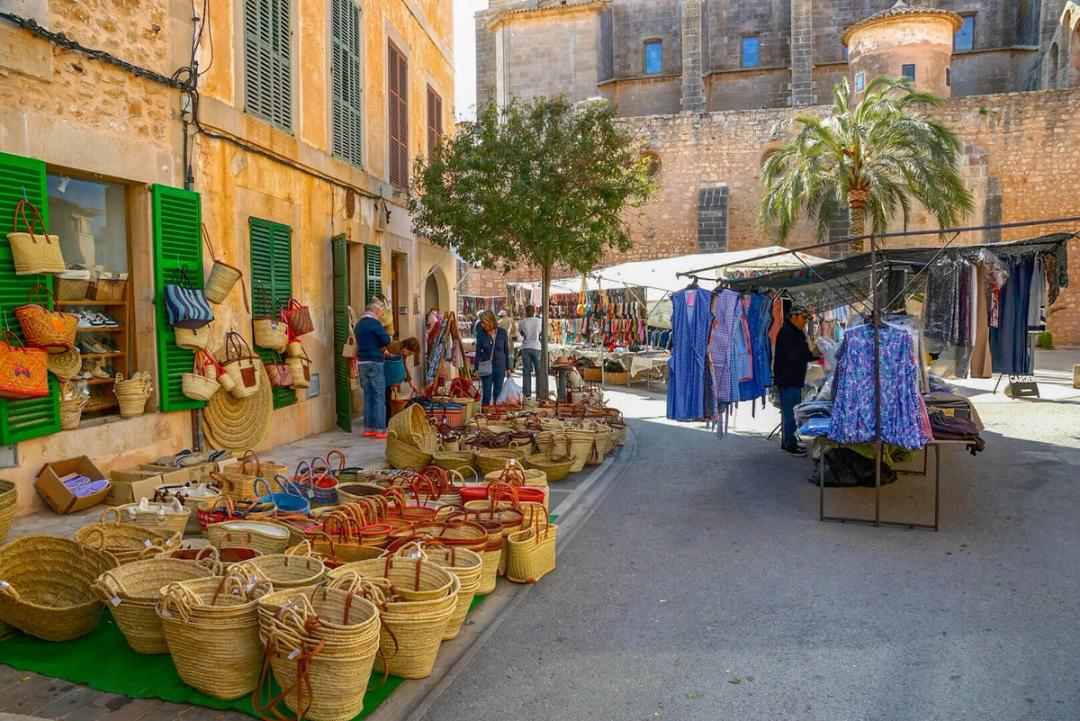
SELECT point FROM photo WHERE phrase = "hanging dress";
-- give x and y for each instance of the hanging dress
(1008, 342)
(691, 317)
(726, 312)
(759, 321)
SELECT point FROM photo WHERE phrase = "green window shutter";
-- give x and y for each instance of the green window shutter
(271, 283)
(177, 244)
(372, 272)
(268, 61)
(345, 73)
(22, 420)
(342, 331)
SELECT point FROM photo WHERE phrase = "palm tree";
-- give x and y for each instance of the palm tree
(874, 157)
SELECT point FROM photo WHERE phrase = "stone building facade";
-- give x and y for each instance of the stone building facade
(1016, 113)
(310, 152)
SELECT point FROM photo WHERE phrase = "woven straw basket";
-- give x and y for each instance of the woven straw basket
(270, 333)
(221, 280)
(212, 628)
(531, 552)
(266, 538)
(412, 426)
(490, 460)
(403, 453)
(198, 387)
(126, 542)
(348, 630)
(238, 479)
(413, 579)
(556, 468)
(72, 403)
(132, 592)
(453, 460)
(167, 519)
(287, 570)
(9, 497)
(66, 364)
(461, 562)
(46, 586)
(132, 393)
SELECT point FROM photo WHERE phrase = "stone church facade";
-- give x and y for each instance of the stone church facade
(702, 83)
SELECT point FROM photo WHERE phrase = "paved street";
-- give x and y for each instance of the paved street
(695, 582)
(704, 587)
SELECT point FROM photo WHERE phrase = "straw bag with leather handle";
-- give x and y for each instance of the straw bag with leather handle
(222, 276)
(49, 329)
(349, 349)
(241, 366)
(270, 333)
(65, 365)
(280, 374)
(301, 370)
(31, 251)
(202, 383)
(298, 317)
(192, 338)
(23, 371)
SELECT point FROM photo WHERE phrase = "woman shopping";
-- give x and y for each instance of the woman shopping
(492, 356)
(396, 367)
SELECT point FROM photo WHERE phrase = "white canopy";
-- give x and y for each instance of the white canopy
(659, 277)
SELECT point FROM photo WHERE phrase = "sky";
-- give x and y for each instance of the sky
(465, 56)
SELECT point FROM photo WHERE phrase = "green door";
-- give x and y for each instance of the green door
(342, 387)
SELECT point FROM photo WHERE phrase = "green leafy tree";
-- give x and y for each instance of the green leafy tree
(874, 156)
(543, 183)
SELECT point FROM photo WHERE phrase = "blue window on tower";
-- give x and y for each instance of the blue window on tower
(964, 40)
(751, 51)
(908, 72)
(654, 64)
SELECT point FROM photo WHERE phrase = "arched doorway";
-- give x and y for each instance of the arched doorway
(436, 291)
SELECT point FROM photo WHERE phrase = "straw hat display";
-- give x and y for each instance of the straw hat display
(240, 423)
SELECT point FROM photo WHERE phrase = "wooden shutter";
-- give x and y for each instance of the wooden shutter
(177, 244)
(23, 177)
(345, 73)
(372, 272)
(342, 330)
(268, 61)
(398, 115)
(434, 119)
(271, 283)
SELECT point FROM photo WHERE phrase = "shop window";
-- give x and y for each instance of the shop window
(268, 61)
(345, 70)
(751, 51)
(654, 62)
(908, 71)
(964, 40)
(271, 283)
(91, 219)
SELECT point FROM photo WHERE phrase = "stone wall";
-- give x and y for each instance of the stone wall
(634, 22)
(1021, 151)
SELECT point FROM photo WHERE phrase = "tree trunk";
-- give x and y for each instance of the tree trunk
(857, 225)
(542, 371)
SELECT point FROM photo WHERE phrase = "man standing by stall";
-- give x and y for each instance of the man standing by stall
(529, 329)
(789, 373)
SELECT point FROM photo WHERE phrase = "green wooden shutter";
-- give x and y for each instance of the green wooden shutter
(268, 61)
(372, 272)
(342, 330)
(271, 283)
(177, 244)
(23, 177)
(345, 73)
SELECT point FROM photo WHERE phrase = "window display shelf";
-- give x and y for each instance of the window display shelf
(104, 405)
(70, 303)
(98, 382)
(114, 354)
(103, 329)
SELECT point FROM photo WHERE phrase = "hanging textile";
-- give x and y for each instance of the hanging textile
(980, 349)
(758, 311)
(726, 312)
(691, 318)
(904, 421)
(1008, 342)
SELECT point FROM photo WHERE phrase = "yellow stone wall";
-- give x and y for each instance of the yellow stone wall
(92, 118)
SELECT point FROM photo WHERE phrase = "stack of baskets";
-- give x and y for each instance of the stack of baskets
(489, 460)
(461, 562)
(411, 441)
(337, 634)
(72, 402)
(418, 600)
(287, 570)
(132, 393)
(237, 480)
(165, 517)
(132, 592)
(556, 467)
(211, 626)
(45, 590)
(8, 500)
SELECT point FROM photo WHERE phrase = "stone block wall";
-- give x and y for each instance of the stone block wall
(1020, 155)
(730, 20)
(749, 89)
(634, 22)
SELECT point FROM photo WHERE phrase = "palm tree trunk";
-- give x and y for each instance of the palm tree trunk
(857, 218)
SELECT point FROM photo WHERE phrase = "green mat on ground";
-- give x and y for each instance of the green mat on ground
(103, 661)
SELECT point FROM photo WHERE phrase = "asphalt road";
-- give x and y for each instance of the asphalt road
(704, 587)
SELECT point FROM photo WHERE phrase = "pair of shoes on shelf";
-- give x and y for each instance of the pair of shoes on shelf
(94, 319)
(95, 347)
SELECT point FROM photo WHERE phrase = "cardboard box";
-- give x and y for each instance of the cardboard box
(131, 485)
(58, 496)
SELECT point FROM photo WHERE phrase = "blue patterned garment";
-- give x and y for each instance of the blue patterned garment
(726, 311)
(758, 310)
(903, 413)
(691, 317)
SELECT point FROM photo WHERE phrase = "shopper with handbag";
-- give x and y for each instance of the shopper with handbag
(492, 356)
(371, 339)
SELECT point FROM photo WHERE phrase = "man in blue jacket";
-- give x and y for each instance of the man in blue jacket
(790, 357)
(371, 339)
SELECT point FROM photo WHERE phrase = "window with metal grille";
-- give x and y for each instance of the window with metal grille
(712, 219)
(398, 100)
(434, 119)
(345, 76)
(268, 61)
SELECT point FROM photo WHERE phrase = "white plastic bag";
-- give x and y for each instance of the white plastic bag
(510, 394)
